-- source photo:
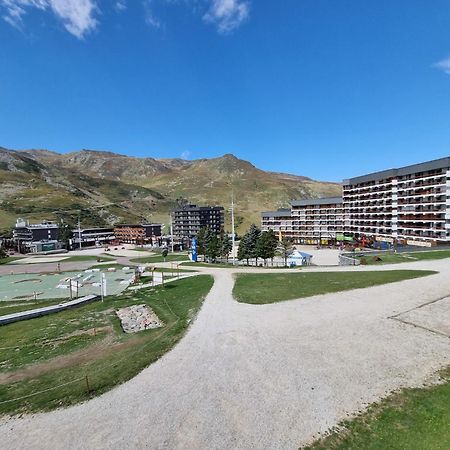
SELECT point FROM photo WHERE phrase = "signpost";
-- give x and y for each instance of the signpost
(194, 250)
(103, 286)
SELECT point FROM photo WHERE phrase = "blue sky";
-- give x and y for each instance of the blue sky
(323, 88)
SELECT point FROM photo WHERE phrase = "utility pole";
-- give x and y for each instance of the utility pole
(171, 232)
(232, 228)
(79, 230)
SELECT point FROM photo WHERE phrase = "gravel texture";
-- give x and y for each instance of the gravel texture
(258, 377)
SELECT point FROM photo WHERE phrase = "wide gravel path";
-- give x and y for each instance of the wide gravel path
(259, 377)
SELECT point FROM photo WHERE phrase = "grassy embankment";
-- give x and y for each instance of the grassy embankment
(9, 259)
(397, 258)
(50, 357)
(413, 419)
(171, 257)
(271, 288)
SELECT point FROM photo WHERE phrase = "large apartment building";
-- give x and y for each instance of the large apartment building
(409, 205)
(279, 221)
(190, 219)
(317, 221)
(138, 233)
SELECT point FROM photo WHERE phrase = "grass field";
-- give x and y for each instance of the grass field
(49, 357)
(413, 419)
(271, 288)
(9, 259)
(396, 258)
(213, 265)
(158, 258)
(81, 258)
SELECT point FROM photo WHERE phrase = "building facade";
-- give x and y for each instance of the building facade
(138, 234)
(313, 221)
(279, 221)
(91, 237)
(190, 219)
(40, 237)
(318, 221)
(409, 205)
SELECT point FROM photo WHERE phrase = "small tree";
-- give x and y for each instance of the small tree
(164, 254)
(285, 248)
(202, 238)
(253, 234)
(267, 245)
(212, 247)
(226, 246)
(243, 252)
(3, 253)
(64, 233)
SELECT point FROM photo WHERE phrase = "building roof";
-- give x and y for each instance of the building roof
(407, 170)
(197, 208)
(136, 225)
(279, 213)
(318, 201)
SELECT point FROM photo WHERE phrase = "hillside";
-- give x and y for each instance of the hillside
(108, 188)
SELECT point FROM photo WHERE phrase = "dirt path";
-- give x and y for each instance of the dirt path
(269, 376)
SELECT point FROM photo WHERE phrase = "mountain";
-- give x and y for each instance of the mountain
(108, 187)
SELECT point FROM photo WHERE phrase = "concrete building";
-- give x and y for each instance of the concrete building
(34, 238)
(409, 205)
(190, 219)
(91, 237)
(317, 221)
(279, 221)
(138, 233)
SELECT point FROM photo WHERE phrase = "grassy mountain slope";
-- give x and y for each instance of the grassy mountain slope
(41, 183)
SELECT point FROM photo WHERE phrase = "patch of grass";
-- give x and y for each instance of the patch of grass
(271, 288)
(107, 266)
(9, 259)
(397, 258)
(412, 419)
(121, 356)
(80, 258)
(158, 258)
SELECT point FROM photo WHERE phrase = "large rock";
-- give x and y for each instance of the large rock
(138, 318)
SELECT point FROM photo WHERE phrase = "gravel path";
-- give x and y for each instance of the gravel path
(251, 377)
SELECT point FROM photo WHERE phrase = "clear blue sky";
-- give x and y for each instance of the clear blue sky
(323, 88)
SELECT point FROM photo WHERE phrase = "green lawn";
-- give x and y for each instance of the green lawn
(98, 258)
(158, 258)
(396, 258)
(67, 258)
(113, 357)
(107, 266)
(413, 419)
(9, 259)
(214, 265)
(271, 288)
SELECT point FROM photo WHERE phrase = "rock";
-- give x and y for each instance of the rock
(138, 318)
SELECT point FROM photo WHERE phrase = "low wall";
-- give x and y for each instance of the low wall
(38, 312)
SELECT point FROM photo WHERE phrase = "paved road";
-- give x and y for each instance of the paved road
(253, 377)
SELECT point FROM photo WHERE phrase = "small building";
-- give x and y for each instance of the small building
(299, 259)
(138, 233)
